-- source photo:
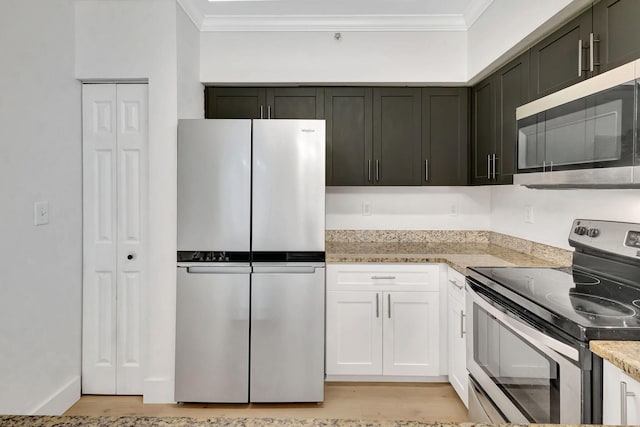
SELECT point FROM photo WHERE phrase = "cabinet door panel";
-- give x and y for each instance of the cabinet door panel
(458, 376)
(555, 60)
(354, 333)
(444, 136)
(612, 378)
(484, 130)
(348, 114)
(513, 91)
(396, 136)
(411, 333)
(295, 103)
(234, 103)
(615, 23)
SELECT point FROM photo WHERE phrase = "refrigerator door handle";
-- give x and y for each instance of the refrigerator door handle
(285, 270)
(218, 270)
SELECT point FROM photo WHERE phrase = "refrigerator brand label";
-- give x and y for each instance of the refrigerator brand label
(308, 130)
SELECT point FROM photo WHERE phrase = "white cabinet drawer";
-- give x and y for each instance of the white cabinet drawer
(377, 277)
(455, 285)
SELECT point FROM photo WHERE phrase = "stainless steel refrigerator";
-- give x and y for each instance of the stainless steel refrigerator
(251, 276)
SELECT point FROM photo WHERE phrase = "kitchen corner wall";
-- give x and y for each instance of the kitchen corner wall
(136, 39)
(408, 208)
(40, 160)
(190, 90)
(555, 210)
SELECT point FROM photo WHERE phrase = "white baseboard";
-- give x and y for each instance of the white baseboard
(387, 378)
(61, 400)
(158, 390)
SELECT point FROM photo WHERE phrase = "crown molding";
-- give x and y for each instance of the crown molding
(474, 10)
(333, 23)
(193, 12)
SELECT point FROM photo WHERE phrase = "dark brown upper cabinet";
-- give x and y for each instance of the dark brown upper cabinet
(445, 136)
(615, 29)
(494, 127)
(234, 102)
(483, 130)
(349, 116)
(512, 91)
(561, 59)
(396, 137)
(295, 103)
(264, 103)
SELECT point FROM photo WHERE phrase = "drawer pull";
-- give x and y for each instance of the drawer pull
(383, 277)
(454, 283)
(624, 394)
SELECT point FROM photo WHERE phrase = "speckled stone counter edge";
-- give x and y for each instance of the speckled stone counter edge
(623, 354)
(539, 250)
(144, 421)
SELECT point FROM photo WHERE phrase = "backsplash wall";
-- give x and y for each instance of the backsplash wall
(555, 210)
(408, 208)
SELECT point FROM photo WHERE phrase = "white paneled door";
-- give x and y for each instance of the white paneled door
(115, 138)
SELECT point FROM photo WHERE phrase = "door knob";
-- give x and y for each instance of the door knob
(130, 257)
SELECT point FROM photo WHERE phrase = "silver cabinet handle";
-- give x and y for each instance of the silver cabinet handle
(462, 316)
(377, 170)
(269, 112)
(456, 284)
(389, 304)
(488, 166)
(261, 111)
(580, 58)
(383, 277)
(426, 170)
(369, 169)
(377, 305)
(551, 166)
(592, 41)
(624, 394)
(494, 165)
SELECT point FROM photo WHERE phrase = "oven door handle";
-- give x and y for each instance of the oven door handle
(529, 334)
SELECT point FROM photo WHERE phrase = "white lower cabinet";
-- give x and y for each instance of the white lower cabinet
(354, 333)
(383, 320)
(621, 397)
(457, 334)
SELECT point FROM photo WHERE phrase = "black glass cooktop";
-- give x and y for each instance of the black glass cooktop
(582, 304)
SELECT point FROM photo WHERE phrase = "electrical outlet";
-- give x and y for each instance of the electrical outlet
(453, 209)
(528, 214)
(41, 213)
(366, 208)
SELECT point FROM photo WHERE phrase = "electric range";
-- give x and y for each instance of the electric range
(529, 332)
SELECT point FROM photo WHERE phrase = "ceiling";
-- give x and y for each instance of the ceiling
(334, 15)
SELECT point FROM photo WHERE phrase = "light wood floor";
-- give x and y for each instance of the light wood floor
(382, 401)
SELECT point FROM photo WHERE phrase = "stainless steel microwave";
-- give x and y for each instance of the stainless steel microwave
(582, 136)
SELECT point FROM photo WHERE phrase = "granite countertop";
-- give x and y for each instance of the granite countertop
(457, 255)
(623, 354)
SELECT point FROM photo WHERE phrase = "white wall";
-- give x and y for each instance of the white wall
(190, 90)
(555, 210)
(315, 57)
(510, 26)
(40, 160)
(409, 208)
(129, 39)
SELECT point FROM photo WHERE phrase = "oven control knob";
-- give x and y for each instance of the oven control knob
(580, 230)
(593, 232)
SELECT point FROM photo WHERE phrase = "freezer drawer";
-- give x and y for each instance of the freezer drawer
(288, 185)
(212, 334)
(287, 334)
(214, 185)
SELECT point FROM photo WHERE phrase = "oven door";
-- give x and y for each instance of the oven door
(530, 376)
